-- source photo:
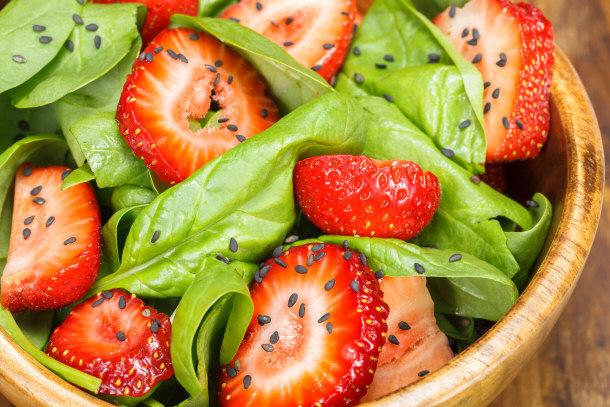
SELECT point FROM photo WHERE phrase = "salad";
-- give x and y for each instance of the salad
(256, 202)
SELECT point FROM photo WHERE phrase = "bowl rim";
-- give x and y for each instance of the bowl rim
(482, 362)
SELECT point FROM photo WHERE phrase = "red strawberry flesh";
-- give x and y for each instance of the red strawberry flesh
(116, 337)
(328, 338)
(55, 244)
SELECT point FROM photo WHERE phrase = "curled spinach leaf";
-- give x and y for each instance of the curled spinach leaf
(432, 8)
(115, 232)
(213, 8)
(80, 175)
(127, 196)
(35, 326)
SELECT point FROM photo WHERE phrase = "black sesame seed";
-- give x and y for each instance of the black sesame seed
(241, 138)
(292, 299)
(309, 261)
(475, 179)
(264, 114)
(464, 124)
(157, 50)
(193, 36)
(356, 51)
(45, 39)
(362, 259)
(230, 80)
(324, 318)
(19, 59)
(520, 124)
(273, 23)
(355, 28)
(150, 57)
(223, 120)
(404, 326)
(289, 20)
(121, 336)
(233, 245)
(506, 123)
(501, 63)
(91, 27)
(328, 45)
(222, 258)
(97, 41)
(39, 28)
(329, 327)
(475, 34)
(388, 58)
(264, 270)
(280, 263)
(231, 371)
(122, 302)
(69, 240)
(259, 6)
(355, 286)
(35, 191)
(379, 274)
(77, 19)
(329, 285)
(448, 152)
(275, 337)
(28, 220)
(487, 108)
(257, 276)
(317, 247)
(472, 42)
(154, 327)
(97, 302)
(142, 56)
(486, 85)
(434, 58)
(277, 252)
(217, 79)
(155, 236)
(419, 268)
(381, 66)
(388, 98)
(347, 255)
(288, 43)
(263, 319)
(452, 12)
(423, 373)
(496, 93)
(291, 239)
(26, 233)
(38, 201)
(358, 77)
(455, 257)
(218, 63)
(211, 68)
(107, 294)
(182, 58)
(234, 19)
(247, 381)
(345, 244)
(393, 340)
(28, 171)
(532, 204)
(232, 127)
(267, 348)
(319, 256)
(300, 269)
(316, 68)
(478, 58)
(345, 13)
(302, 310)
(65, 174)
(465, 33)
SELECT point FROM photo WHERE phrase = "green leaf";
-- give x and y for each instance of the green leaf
(291, 83)
(111, 160)
(101, 95)
(66, 372)
(432, 8)
(213, 8)
(468, 287)
(456, 327)
(396, 28)
(245, 193)
(36, 326)
(115, 232)
(526, 245)
(213, 283)
(70, 71)
(127, 196)
(17, 36)
(79, 176)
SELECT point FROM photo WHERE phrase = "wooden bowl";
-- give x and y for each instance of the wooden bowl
(569, 171)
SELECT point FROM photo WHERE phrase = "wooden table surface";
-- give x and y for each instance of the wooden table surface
(573, 367)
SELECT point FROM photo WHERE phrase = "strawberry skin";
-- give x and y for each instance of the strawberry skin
(158, 13)
(317, 330)
(357, 195)
(55, 244)
(513, 47)
(184, 75)
(116, 337)
(316, 33)
(495, 177)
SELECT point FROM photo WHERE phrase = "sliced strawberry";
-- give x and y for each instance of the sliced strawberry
(181, 77)
(356, 195)
(318, 327)
(55, 244)
(495, 177)
(315, 32)
(116, 337)
(512, 45)
(159, 13)
(415, 346)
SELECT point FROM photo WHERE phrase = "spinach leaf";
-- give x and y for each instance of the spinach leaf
(456, 327)
(66, 372)
(395, 30)
(111, 160)
(526, 245)
(101, 95)
(215, 281)
(19, 39)
(94, 54)
(36, 326)
(451, 123)
(432, 8)
(467, 287)
(126, 196)
(114, 233)
(213, 8)
(78, 176)
(291, 83)
(246, 193)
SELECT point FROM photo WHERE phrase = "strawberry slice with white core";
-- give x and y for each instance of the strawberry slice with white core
(315, 32)
(512, 46)
(55, 244)
(316, 333)
(181, 78)
(415, 346)
(116, 337)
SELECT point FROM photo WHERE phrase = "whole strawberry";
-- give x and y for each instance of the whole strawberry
(356, 195)
(512, 46)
